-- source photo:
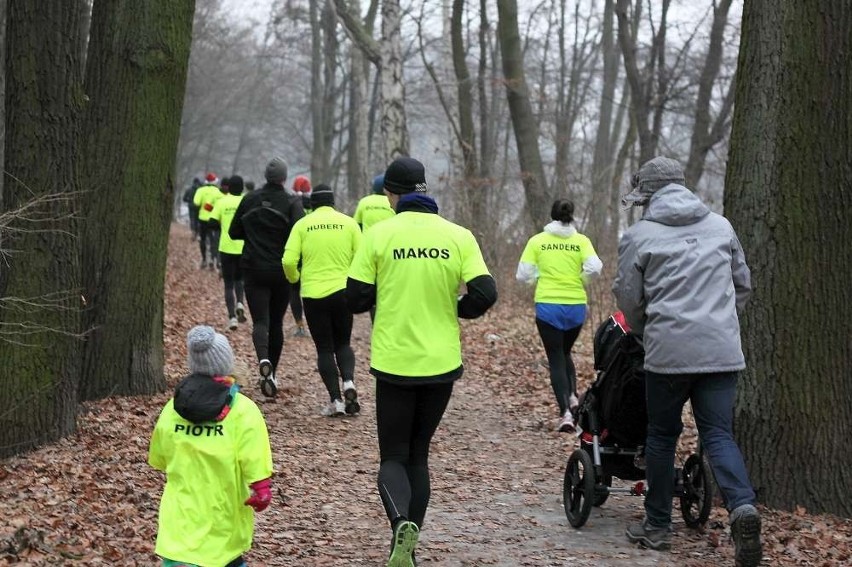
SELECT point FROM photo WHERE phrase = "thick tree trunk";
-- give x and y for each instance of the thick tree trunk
(39, 343)
(523, 122)
(136, 78)
(788, 194)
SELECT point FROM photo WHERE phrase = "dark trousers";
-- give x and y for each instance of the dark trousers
(232, 276)
(557, 346)
(296, 301)
(208, 236)
(712, 397)
(267, 294)
(330, 323)
(406, 419)
(193, 219)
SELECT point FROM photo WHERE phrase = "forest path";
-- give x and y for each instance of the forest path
(496, 462)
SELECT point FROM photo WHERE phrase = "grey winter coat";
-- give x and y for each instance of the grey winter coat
(682, 278)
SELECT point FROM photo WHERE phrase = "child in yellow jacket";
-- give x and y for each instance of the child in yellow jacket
(213, 445)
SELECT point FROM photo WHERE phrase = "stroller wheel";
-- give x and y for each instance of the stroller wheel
(697, 498)
(602, 490)
(578, 488)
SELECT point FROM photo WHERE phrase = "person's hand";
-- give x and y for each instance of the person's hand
(261, 495)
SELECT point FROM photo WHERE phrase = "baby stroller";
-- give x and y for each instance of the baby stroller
(613, 422)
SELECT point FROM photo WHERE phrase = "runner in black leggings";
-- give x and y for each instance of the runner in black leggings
(318, 254)
(230, 251)
(410, 266)
(263, 220)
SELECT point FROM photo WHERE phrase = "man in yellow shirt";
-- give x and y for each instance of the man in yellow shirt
(230, 251)
(411, 266)
(205, 197)
(325, 242)
(375, 207)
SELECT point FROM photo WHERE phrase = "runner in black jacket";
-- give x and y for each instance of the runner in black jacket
(263, 220)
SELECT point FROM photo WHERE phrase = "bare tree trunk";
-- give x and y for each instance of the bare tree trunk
(40, 269)
(523, 122)
(602, 160)
(131, 131)
(393, 123)
(788, 196)
(387, 56)
(705, 135)
(647, 88)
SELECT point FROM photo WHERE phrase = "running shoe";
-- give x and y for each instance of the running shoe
(334, 409)
(268, 384)
(573, 403)
(241, 313)
(657, 538)
(300, 331)
(745, 531)
(404, 541)
(566, 424)
(232, 323)
(203, 263)
(350, 395)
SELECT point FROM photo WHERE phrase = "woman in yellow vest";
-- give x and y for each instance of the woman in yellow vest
(558, 261)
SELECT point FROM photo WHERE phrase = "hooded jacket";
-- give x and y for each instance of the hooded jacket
(682, 278)
(264, 220)
(210, 458)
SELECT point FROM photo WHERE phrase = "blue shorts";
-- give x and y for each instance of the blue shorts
(563, 317)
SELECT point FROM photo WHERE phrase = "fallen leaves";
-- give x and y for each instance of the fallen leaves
(496, 464)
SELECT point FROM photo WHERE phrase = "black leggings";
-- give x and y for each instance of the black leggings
(557, 347)
(330, 323)
(406, 418)
(233, 277)
(296, 301)
(208, 235)
(267, 294)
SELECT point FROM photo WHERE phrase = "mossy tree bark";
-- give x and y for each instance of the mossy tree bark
(40, 265)
(789, 195)
(136, 75)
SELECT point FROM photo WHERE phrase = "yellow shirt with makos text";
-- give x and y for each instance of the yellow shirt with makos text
(417, 261)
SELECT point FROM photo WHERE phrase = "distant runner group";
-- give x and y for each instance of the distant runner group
(398, 259)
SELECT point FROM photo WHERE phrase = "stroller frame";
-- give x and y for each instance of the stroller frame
(592, 465)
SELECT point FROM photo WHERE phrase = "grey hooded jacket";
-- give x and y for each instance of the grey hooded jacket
(682, 278)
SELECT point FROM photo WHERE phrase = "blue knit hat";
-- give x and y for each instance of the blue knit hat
(379, 184)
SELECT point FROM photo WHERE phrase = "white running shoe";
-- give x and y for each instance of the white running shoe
(241, 313)
(232, 323)
(566, 424)
(573, 402)
(350, 394)
(334, 409)
(268, 383)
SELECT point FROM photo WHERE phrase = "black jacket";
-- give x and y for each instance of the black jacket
(263, 220)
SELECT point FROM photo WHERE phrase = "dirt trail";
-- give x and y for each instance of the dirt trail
(496, 463)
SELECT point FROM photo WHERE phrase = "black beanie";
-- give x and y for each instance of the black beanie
(322, 195)
(235, 185)
(405, 175)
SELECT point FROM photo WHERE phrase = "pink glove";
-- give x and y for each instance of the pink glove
(261, 495)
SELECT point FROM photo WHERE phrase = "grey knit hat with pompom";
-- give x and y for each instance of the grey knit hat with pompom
(209, 352)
